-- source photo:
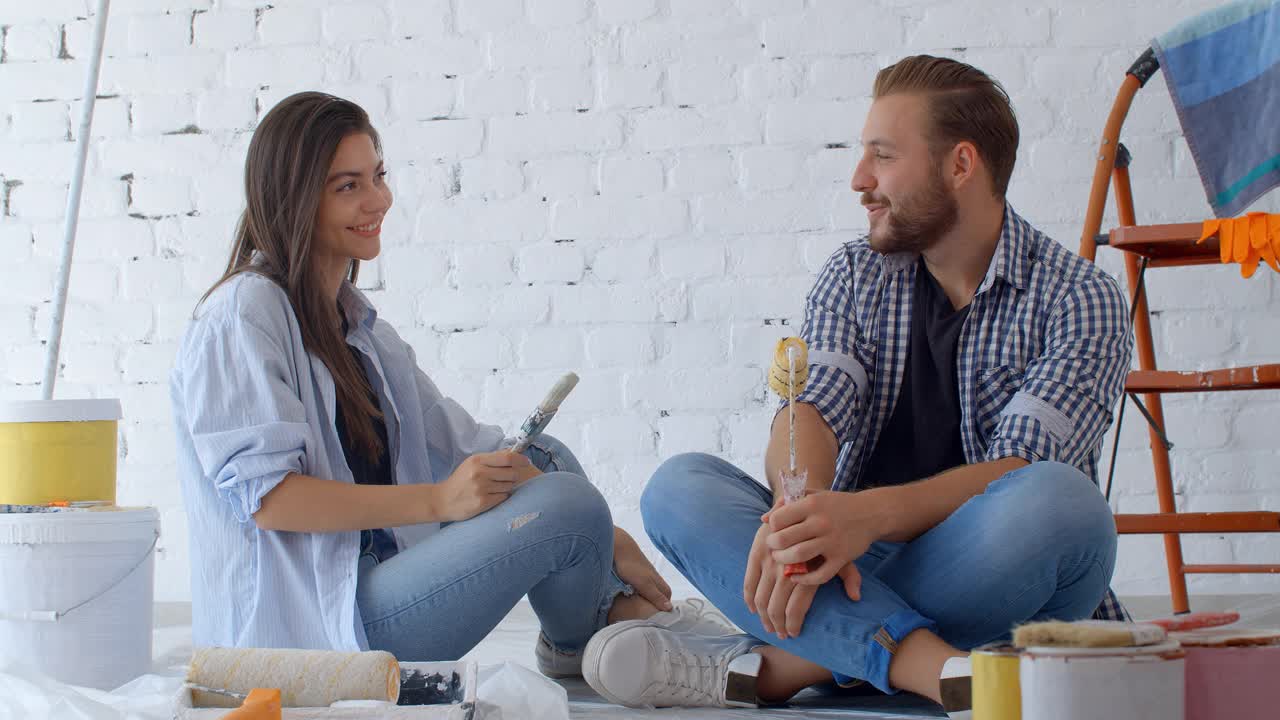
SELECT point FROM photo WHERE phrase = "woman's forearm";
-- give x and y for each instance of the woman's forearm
(302, 503)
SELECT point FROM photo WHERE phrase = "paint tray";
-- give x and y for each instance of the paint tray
(460, 705)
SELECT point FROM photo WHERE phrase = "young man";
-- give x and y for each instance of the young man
(964, 367)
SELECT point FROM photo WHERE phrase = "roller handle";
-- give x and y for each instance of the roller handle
(261, 704)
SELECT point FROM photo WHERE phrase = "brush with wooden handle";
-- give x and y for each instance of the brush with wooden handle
(787, 377)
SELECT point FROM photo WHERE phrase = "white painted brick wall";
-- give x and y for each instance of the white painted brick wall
(639, 190)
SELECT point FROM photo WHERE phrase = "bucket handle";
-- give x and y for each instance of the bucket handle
(55, 615)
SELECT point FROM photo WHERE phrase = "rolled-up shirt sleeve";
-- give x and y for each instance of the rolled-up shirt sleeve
(837, 385)
(243, 412)
(1068, 394)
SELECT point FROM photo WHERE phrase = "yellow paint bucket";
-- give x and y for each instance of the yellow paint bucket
(58, 450)
(997, 692)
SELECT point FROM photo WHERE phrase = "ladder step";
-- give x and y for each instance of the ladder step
(1204, 569)
(1251, 377)
(1220, 522)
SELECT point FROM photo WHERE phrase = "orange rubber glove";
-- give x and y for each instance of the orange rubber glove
(1248, 240)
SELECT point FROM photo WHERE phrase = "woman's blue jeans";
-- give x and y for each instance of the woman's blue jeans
(552, 540)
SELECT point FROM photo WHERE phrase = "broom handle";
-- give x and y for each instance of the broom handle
(73, 203)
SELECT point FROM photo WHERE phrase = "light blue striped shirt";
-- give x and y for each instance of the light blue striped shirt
(251, 405)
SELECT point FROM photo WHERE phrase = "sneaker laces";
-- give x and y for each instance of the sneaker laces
(695, 677)
(705, 611)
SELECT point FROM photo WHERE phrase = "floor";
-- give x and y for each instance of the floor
(513, 640)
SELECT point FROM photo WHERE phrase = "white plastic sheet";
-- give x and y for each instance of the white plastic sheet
(28, 695)
(511, 691)
(508, 691)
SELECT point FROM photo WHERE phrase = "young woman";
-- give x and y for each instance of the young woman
(336, 500)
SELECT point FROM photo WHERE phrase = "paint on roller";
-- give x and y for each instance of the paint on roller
(523, 520)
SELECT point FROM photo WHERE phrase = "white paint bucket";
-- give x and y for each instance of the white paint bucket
(76, 596)
(1135, 683)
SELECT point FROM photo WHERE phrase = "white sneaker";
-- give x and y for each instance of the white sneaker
(694, 615)
(957, 688)
(638, 664)
(691, 615)
(555, 663)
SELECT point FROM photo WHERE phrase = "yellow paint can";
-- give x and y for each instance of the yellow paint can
(997, 691)
(58, 450)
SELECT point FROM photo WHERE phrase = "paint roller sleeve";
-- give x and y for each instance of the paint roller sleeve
(779, 371)
(306, 678)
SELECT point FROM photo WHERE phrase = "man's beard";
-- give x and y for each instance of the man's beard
(916, 222)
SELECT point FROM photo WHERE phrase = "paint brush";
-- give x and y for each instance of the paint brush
(541, 415)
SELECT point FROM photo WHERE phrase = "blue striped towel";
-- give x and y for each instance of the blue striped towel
(1223, 72)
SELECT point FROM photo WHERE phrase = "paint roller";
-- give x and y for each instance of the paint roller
(541, 415)
(222, 677)
(787, 377)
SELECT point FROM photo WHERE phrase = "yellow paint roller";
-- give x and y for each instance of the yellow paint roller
(787, 377)
(305, 678)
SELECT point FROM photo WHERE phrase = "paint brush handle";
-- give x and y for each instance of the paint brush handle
(793, 487)
(541, 415)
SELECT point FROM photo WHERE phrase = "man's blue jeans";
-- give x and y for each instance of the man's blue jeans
(1040, 543)
(552, 539)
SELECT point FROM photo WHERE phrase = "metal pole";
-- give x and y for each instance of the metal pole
(73, 203)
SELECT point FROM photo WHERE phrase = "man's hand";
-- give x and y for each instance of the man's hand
(780, 603)
(834, 527)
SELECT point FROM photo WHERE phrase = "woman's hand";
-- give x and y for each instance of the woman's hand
(481, 482)
(635, 570)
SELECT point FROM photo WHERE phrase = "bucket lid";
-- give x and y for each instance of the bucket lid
(1168, 646)
(114, 525)
(25, 411)
(1229, 637)
(998, 648)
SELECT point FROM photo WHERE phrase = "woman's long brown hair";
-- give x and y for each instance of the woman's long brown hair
(284, 177)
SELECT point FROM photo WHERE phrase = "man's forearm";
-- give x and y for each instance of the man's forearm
(915, 508)
(816, 448)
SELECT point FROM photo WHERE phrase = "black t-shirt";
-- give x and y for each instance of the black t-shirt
(922, 437)
(381, 543)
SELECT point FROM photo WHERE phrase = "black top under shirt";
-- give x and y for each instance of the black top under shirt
(380, 543)
(922, 437)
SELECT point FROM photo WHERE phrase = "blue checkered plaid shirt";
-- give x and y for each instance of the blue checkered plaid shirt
(1041, 358)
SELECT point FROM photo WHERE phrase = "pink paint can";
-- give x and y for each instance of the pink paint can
(1232, 673)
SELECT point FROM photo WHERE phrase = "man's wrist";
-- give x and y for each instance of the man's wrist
(887, 504)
